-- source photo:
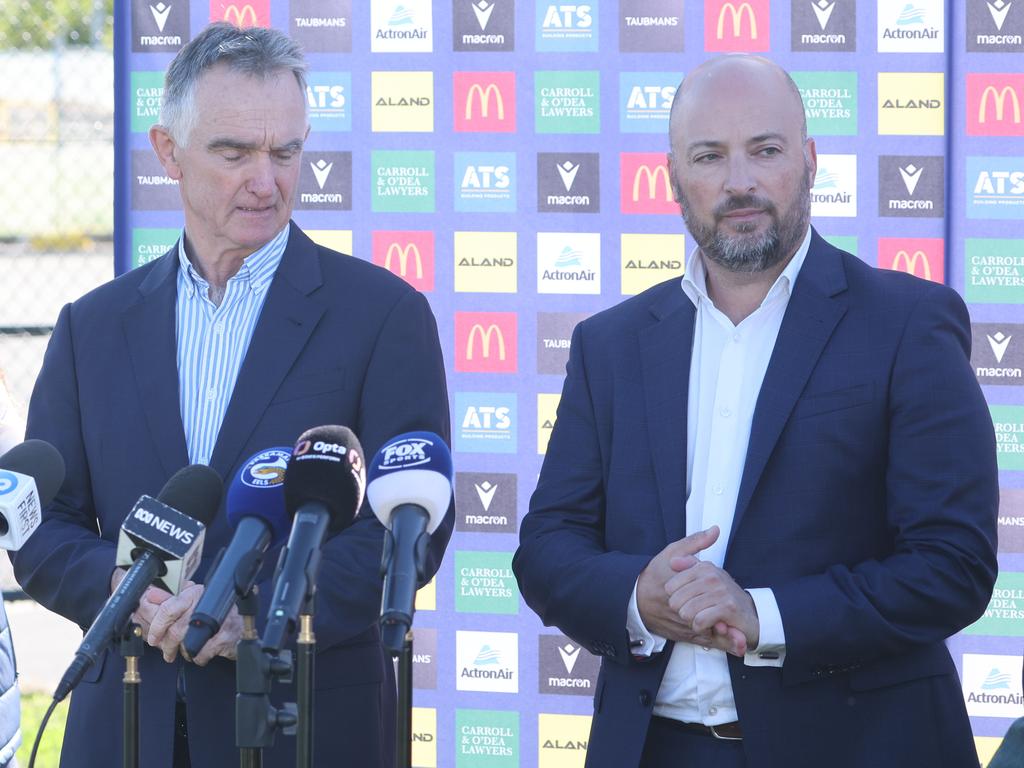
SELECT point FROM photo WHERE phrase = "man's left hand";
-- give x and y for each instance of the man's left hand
(169, 623)
(708, 600)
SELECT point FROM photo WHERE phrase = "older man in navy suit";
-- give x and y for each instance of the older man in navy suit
(771, 491)
(240, 338)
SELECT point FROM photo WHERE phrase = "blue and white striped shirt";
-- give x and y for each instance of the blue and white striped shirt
(212, 340)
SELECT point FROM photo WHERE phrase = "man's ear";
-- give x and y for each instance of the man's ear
(166, 151)
(677, 191)
(811, 159)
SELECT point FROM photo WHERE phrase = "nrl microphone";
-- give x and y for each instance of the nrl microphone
(409, 490)
(162, 546)
(323, 490)
(31, 473)
(255, 509)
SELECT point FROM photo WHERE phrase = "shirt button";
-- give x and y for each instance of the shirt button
(218, 328)
(718, 490)
(726, 413)
(211, 393)
(712, 710)
(736, 338)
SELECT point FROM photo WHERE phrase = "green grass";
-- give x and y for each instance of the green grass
(33, 707)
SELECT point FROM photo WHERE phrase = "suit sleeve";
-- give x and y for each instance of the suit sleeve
(564, 571)
(941, 489)
(65, 565)
(403, 390)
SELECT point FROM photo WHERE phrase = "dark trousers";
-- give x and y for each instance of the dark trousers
(181, 758)
(668, 746)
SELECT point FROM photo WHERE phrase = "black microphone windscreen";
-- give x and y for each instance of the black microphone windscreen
(327, 467)
(195, 490)
(39, 460)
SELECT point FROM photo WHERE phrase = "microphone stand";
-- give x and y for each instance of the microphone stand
(305, 648)
(131, 649)
(403, 724)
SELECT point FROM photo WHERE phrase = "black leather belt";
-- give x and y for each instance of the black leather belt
(727, 731)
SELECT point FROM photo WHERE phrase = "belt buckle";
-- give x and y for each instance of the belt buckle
(722, 737)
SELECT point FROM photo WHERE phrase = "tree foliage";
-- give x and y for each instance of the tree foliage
(46, 24)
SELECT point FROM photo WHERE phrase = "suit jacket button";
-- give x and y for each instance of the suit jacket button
(645, 698)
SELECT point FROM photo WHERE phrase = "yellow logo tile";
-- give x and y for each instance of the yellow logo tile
(426, 596)
(339, 240)
(562, 740)
(424, 737)
(402, 101)
(547, 407)
(649, 259)
(911, 103)
(485, 262)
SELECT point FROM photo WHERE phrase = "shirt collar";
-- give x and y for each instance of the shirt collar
(257, 268)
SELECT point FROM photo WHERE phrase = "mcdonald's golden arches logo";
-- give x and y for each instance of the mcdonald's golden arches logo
(485, 101)
(732, 26)
(995, 104)
(919, 256)
(486, 342)
(255, 13)
(410, 255)
(645, 184)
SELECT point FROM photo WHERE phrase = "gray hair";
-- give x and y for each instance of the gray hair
(254, 51)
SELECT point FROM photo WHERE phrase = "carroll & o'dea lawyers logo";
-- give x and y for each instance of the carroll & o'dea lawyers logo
(486, 739)
(484, 583)
(994, 270)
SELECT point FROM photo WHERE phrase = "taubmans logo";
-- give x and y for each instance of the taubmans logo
(164, 526)
(405, 453)
(8, 482)
(266, 469)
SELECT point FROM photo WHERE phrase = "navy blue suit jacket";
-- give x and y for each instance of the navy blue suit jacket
(339, 341)
(867, 503)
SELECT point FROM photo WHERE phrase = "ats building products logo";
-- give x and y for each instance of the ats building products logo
(483, 25)
(997, 353)
(486, 739)
(919, 256)
(650, 259)
(731, 26)
(327, 97)
(1002, 617)
(403, 182)
(995, 26)
(654, 26)
(147, 95)
(484, 101)
(568, 182)
(995, 104)
(547, 411)
(644, 101)
(402, 102)
(410, 255)
(554, 333)
(830, 102)
(486, 422)
(485, 262)
(424, 659)
(563, 667)
(406, 26)
(567, 102)
(424, 733)
(159, 26)
(835, 187)
(994, 270)
(911, 103)
(992, 685)
(1008, 421)
(569, 262)
(644, 185)
(486, 342)
(325, 182)
(487, 661)
(1011, 519)
(995, 187)
(322, 26)
(562, 740)
(917, 26)
(151, 244)
(567, 26)
(485, 181)
(485, 502)
(484, 583)
(823, 25)
(152, 189)
(255, 13)
(911, 186)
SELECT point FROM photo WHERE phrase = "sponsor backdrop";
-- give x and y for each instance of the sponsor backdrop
(506, 157)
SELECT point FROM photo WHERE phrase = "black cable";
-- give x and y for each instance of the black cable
(39, 733)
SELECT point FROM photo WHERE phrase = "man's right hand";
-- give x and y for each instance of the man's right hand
(652, 599)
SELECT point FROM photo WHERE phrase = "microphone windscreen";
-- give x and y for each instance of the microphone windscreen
(326, 467)
(40, 461)
(258, 491)
(413, 468)
(195, 490)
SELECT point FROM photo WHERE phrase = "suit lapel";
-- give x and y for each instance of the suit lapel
(287, 320)
(149, 329)
(814, 310)
(665, 348)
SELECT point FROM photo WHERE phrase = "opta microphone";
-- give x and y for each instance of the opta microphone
(410, 488)
(164, 546)
(255, 508)
(323, 489)
(31, 473)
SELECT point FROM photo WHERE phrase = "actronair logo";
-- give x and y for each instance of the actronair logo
(995, 104)
(322, 26)
(159, 26)
(487, 661)
(737, 26)
(995, 187)
(992, 685)
(485, 101)
(486, 342)
(911, 186)
(995, 26)
(651, 26)
(406, 26)
(917, 26)
(410, 255)
(835, 186)
(483, 25)
(922, 257)
(485, 502)
(325, 182)
(569, 262)
(255, 13)
(565, 668)
(568, 182)
(997, 353)
(644, 185)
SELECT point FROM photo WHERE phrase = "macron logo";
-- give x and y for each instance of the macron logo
(999, 9)
(321, 169)
(911, 176)
(568, 173)
(823, 10)
(999, 342)
(569, 654)
(485, 491)
(483, 11)
(160, 13)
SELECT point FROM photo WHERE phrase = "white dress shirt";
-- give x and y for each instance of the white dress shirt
(727, 368)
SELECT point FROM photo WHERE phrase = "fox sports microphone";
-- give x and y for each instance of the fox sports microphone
(162, 546)
(409, 490)
(255, 509)
(323, 489)
(31, 473)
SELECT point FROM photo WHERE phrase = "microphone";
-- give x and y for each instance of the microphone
(163, 547)
(255, 508)
(31, 473)
(323, 489)
(409, 491)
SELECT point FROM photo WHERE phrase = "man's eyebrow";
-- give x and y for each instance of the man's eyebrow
(704, 144)
(771, 136)
(711, 144)
(218, 144)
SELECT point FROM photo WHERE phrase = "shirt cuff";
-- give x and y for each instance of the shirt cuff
(641, 642)
(771, 648)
